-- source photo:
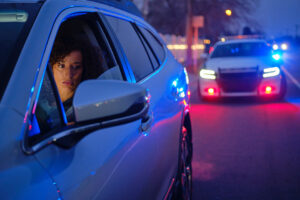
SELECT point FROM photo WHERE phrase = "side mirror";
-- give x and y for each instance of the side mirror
(110, 101)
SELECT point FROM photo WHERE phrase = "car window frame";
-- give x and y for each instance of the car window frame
(116, 45)
(160, 61)
(146, 44)
(133, 23)
(42, 70)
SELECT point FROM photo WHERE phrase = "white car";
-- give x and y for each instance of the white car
(242, 67)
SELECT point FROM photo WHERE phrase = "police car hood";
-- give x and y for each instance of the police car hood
(238, 62)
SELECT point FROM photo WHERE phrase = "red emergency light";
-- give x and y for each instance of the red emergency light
(268, 90)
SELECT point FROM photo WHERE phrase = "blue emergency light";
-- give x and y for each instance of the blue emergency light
(276, 56)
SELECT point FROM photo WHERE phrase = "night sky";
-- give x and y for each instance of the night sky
(279, 17)
(276, 17)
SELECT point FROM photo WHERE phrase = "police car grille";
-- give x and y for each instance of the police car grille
(239, 81)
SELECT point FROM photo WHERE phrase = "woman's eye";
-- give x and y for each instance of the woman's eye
(77, 67)
(60, 65)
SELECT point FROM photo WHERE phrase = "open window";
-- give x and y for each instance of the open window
(80, 52)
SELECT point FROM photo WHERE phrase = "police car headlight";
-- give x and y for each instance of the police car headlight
(207, 74)
(269, 72)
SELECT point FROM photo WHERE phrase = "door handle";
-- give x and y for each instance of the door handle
(147, 122)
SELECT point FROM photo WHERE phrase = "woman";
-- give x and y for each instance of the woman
(69, 62)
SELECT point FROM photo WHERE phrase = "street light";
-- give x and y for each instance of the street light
(228, 12)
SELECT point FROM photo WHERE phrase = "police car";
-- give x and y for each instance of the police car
(242, 66)
(130, 133)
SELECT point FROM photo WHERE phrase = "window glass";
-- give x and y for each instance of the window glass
(15, 23)
(47, 117)
(154, 43)
(241, 49)
(98, 59)
(132, 46)
(150, 52)
(79, 52)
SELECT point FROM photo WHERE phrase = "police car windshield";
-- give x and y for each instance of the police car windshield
(16, 20)
(241, 49)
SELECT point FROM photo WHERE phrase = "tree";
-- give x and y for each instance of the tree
(169, 16)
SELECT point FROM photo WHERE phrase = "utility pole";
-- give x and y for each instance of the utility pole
(145, 8)
(189, 35)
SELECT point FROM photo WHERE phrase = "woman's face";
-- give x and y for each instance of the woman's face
(67, 74)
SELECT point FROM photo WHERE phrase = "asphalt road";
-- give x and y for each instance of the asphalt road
(248, 149)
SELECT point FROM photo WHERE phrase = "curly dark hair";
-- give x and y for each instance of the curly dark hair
(64, 45)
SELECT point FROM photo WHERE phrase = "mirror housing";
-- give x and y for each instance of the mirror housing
(107, 100)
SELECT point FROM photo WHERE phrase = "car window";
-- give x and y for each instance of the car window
(132, 46)
(241, 49)
(15, 23)
(46, 118)
(154, 43)
(154, 60)
(79, 52)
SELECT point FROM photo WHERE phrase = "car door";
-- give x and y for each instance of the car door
(110, 163)
(21, 176)
(155, 69)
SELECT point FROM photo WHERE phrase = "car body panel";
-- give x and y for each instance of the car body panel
(239, 62)
(21, 177)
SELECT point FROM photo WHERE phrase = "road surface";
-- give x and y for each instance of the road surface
(247, 149)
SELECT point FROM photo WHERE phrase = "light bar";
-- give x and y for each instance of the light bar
(284, 46)
(275, 46)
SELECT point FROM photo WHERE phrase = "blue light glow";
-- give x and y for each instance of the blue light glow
(175, 83)
(145, 133)
(276, 56)
(182, 94)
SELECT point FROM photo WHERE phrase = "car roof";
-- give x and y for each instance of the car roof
(240, 41)
(125, 5)
(21, 1)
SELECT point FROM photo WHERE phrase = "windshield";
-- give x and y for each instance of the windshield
(16, 20)
(241, 49)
